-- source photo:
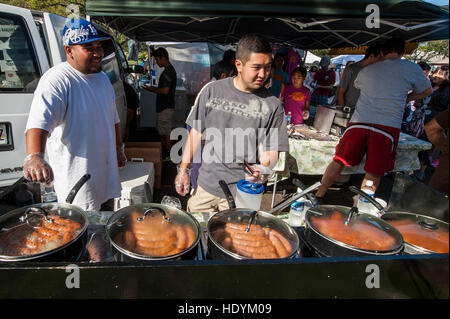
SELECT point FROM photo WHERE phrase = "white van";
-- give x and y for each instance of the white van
(31, 43)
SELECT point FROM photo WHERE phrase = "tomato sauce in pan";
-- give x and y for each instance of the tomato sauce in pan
(413, 233)
(359, 234)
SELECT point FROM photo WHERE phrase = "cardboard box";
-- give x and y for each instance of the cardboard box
(146, 152)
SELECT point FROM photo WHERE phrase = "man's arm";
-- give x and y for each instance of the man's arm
(436, 135)
(35, 167)
(414, 96)
(164, 90)
(340, 96)
(193, 143)
(182, 180)
(35, 140)
(120, 147)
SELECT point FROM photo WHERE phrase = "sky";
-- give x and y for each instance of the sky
(438, 2)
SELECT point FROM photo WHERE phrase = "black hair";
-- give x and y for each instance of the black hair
(424, 66)
(393, 45)
(301, 70)
(161, 53)
(252, 43)
(229, 55)
(374, 49)
(222, 67)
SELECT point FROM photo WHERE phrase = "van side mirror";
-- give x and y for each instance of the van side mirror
(137, 69)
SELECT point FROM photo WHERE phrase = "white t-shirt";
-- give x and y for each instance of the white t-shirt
(79, 112)
(384, 87)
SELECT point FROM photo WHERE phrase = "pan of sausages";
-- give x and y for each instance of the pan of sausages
(245, 234)
(44, 232)
(151, 232)
(335, 231)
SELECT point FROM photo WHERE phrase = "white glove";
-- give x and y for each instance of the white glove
(260, 174)
(36, 169)
(182, 181)
(121, 157)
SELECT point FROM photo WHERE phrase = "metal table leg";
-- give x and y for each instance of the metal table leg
(274, 189)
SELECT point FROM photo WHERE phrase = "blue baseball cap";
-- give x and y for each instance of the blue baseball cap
(80, 31)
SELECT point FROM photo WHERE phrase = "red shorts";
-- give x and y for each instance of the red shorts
(377, 142)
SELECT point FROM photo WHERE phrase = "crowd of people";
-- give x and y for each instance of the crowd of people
(73, 118)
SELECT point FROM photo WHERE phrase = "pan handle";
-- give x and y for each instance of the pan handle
(250, 222)
(369, 198)
(73, 192)
(227, 193)
(310, 196)
(151, 210)
(285, 204)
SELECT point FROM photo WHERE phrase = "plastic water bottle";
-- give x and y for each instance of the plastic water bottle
(363, 204)
(48, 194)
(297, 213)
(288, 118)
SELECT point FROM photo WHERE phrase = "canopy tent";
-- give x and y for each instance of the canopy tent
(343, 59)
(311, 24)
(311, 58)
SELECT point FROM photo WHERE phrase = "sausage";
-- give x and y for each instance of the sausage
(227, 243)
(281, 251)
(190, 235)
(181, 237)
(240, 228)
(156, 237)
(154, 244)
(257, 242)
(286, 244)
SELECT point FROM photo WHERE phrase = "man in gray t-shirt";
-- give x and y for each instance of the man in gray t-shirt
(347, 94)
(374, 128)
(239, 120)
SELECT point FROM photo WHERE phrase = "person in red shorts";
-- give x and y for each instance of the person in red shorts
(374, 128)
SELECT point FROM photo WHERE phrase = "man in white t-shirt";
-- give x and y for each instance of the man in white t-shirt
(74, 121)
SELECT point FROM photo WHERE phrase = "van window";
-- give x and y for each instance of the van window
(110, 65)
(19, 70)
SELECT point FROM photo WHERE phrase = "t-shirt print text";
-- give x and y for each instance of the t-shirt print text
(255, 108)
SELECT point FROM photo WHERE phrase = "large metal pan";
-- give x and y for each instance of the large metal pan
(239, 233)
(335, 231)
(422, 234)
(44, 232)
(152, 232)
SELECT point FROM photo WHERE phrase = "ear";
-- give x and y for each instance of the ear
(223, 76)
(69, 51)
(239, 65)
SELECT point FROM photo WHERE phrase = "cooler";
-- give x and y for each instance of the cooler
(137, 180)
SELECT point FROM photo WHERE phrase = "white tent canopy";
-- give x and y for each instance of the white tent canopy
(310, 58)
(343, 59)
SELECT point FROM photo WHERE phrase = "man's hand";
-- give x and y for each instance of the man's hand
(121, 157)
(182, 181)
(36, 169)
(260, 174)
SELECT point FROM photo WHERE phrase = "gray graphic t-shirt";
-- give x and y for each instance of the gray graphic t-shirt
(384, 87)
(236, 126)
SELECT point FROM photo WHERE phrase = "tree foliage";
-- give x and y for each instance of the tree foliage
(65, 8)
(429, 50)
